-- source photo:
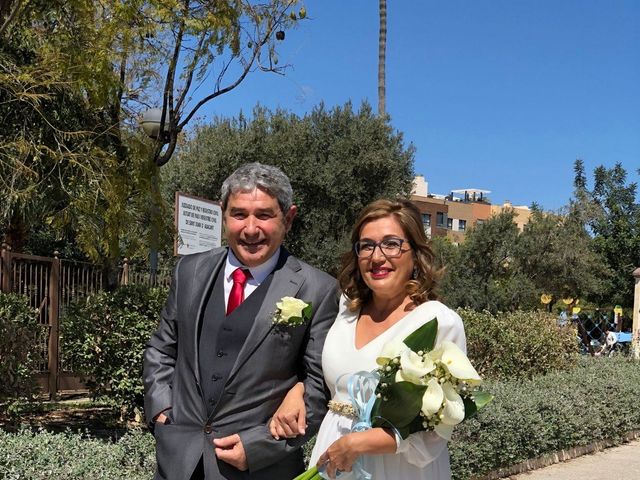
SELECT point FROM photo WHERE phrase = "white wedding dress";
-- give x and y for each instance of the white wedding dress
(423, 455)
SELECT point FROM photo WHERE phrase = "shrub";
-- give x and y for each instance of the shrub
(73, 456)
(104, 337)
(19, 338)
(518, 344)
(532, 417)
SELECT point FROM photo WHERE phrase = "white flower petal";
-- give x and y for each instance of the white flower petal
(453, 412)
(414, 366)
(458, 364)
(432, 398)
(390, 350)
(444, 431)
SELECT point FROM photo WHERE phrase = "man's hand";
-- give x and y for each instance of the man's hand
(230, 450)
(162, 418)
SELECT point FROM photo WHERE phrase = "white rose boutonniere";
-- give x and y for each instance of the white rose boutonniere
(292, 312)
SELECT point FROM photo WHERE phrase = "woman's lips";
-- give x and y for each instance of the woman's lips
(379, 273)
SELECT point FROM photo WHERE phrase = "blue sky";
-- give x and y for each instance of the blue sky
(501, 95)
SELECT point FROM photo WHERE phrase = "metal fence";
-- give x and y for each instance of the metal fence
(50, 285)
(593, 327)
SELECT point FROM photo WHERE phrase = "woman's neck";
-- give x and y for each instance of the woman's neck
(381, 307)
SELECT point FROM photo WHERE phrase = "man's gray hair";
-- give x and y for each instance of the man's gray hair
(267, 178)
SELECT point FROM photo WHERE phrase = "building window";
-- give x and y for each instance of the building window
(441, 219)
(462, 225)
(450, 223)
(426, 219)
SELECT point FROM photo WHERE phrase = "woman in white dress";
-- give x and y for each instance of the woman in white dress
(388, 282)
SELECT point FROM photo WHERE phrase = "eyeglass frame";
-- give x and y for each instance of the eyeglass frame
(379, 245)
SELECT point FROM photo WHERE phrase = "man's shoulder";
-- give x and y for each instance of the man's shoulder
(311, 272)
(192, 260)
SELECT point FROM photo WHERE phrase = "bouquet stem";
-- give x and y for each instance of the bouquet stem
(311, 474)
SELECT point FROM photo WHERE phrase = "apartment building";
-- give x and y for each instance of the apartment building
(454, 214)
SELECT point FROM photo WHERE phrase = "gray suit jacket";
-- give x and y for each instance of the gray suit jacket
(270, 362)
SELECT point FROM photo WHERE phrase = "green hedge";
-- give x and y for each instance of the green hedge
(72, 456)
(528, 418)
(531, 417)
(20, 335)
(104, 336)
(518, 344)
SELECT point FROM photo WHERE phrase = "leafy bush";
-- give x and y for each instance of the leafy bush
(528, 418)
(104, 337)
(518, 344)
(19, 337)
(73, 456)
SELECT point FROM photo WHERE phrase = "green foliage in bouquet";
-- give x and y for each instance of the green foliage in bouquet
(424, 387)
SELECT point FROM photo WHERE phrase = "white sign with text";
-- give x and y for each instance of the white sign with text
(199, 224)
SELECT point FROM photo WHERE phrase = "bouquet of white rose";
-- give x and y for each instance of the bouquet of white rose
(419, 388)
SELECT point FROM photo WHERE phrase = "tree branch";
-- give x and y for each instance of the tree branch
(12, 16)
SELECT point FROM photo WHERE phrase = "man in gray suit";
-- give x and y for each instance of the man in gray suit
(218, 366)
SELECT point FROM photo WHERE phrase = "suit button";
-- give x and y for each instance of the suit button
(208, 429)
(220, 353)
(215, 378)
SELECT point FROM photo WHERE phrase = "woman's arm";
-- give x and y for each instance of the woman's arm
(289, 421)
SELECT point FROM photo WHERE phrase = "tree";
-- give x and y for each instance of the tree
(485, 275)
(338, 161)
(612, 213)
(211, 46)
(557, 254)
(499, 269)
(382, 57)
(74, 76)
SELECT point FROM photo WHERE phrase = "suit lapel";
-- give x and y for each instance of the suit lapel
(204, 276)
(285, 283)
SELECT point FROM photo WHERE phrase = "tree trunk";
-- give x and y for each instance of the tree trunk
(382, 58)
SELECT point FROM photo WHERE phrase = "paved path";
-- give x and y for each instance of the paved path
(617, 463)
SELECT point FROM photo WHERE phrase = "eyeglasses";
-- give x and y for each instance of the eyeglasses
(390, 247)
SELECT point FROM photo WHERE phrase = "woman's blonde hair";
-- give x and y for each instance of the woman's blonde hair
(421, 287)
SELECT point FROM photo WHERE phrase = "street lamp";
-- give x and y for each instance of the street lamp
(150, 124)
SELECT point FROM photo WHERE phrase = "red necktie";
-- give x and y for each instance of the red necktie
(236, 296)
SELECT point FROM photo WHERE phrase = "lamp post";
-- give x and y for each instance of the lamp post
(150, 124)
(635, 342)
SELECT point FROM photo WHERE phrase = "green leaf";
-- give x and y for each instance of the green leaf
(480, 400)
(404, 400)
(423, 338)
(307, 312)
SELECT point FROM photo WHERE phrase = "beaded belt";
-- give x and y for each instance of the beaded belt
(343, 408)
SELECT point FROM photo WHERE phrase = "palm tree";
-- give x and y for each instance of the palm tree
(382, 54)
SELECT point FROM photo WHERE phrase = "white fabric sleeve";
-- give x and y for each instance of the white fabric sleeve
(422, 448)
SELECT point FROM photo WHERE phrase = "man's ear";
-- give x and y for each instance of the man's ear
(289, 216)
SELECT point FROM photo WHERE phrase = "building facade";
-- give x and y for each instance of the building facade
(454, 214)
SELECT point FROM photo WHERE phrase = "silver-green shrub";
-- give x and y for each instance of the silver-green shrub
(528, 418)
(518, 344)
(72, 456)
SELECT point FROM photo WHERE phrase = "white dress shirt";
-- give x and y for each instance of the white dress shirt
(258, 274)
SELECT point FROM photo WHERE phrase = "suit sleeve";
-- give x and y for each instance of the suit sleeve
(160, 357)
(260, 447)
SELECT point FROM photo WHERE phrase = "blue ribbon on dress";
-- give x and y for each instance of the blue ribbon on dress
(362, 394)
